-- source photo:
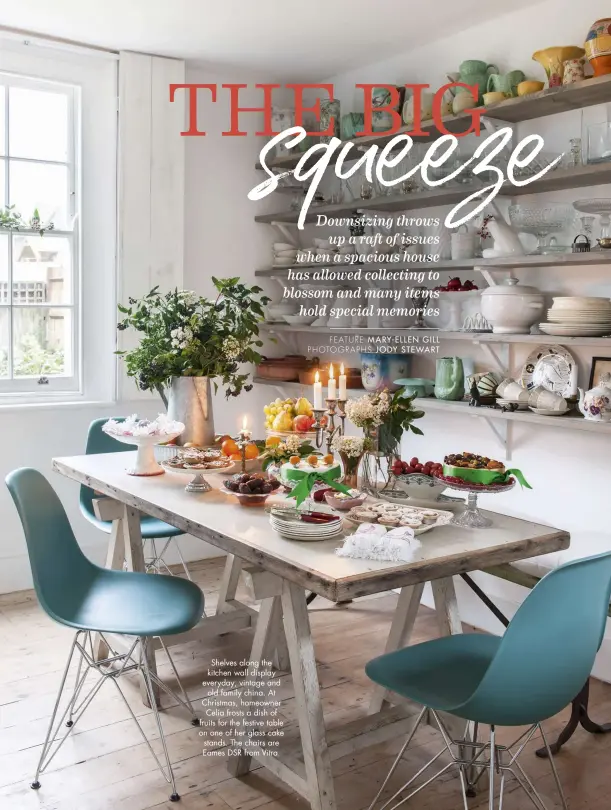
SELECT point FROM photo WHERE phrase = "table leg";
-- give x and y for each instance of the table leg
(316, 757)
(115, 557)
(448, 621)
(134, 560)
(263, 645)
(229, 583)
(400, 632)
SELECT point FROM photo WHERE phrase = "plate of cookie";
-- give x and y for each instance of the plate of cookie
(391, 515)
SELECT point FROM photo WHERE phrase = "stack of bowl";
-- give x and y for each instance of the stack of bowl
(285, 254)
(578, 316)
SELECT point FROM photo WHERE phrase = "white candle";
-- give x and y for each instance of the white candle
(331, 388)
(245, 434)
(342, 383)
(317, 392)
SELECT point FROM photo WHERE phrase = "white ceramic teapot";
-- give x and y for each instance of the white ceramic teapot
(595, 404)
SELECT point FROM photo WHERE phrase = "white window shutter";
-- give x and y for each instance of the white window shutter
(151, 183)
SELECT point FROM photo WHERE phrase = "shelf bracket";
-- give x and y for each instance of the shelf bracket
(499, 431)
(498, 363)
(493, 274)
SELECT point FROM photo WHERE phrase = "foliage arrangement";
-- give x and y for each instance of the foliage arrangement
(282, 450)
(185, 335)
(400, 417)
(12, 220)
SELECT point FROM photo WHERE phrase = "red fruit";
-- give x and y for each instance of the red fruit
(397, 468)
(414, 461)
(462, 289)
(418, 468)
(475, 287)
(454, 283)
(429, 463)
(405, 465)
(319, 495)
(409, 470)
(426, 469)
(301, 424)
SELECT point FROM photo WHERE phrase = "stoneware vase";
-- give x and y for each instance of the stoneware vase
(190, 402)
(552, 61)
(450, 378)
(573, 71)
(598, 46)
(350, 466)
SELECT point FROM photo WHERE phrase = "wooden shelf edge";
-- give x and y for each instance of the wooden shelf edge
(568, 422)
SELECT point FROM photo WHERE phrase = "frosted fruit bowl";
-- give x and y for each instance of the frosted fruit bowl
(419, 486)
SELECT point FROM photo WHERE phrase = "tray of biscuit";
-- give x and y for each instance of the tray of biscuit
(391, 515)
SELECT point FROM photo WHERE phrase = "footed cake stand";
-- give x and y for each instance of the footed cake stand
(472, 518)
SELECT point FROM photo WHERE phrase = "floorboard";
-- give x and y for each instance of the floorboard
(105, 766)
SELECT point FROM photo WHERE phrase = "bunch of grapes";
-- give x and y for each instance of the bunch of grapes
(276, 407)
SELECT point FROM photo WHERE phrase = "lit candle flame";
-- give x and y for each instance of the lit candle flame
(341, 369)
(317, 377)
(244, 423)
(331, 375)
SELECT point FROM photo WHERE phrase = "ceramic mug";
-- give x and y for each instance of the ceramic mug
(493, 98)
(542, 398)
(573, 71)
(510, 389)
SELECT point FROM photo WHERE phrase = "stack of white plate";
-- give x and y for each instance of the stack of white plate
(576, 316)
(285, 254)
(300, 530)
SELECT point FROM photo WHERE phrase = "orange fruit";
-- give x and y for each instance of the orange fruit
(312, 460)
(252, 451)
(294, 459)
(229, 447)
(236, 457)
(272, 441)
(328, 459)
(222, 438)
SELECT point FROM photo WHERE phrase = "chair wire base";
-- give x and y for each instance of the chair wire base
(109, 669)
(154, 562)
(472, 759)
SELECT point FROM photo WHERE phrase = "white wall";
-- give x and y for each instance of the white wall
(569, 471)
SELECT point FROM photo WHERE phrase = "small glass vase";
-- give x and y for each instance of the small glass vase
(350, 466)
(376, 464)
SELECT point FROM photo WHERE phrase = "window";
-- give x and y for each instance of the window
(39, 274)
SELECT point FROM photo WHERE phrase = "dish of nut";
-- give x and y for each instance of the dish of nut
(194, 458)
(473, 462)
(255, 484)
(392, 515)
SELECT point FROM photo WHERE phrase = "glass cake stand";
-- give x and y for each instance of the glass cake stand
(472, 518)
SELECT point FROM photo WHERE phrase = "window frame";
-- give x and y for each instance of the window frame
(90, 80)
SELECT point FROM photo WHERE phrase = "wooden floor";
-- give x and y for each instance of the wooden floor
(105, 766)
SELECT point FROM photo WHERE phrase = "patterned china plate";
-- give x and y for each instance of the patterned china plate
(551, 367)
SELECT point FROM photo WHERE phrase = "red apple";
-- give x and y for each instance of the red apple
(414, 461)
(418, 468)
(409, 470)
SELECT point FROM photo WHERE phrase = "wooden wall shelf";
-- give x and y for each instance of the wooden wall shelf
(558, 180)
(513, 110)
(533, 260)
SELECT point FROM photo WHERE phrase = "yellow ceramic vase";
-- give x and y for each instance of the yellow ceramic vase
(598, 47)
(552, 61)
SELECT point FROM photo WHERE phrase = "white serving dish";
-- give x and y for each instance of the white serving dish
(148, 434)
(298, 320)
(512, 308)
(417, 485)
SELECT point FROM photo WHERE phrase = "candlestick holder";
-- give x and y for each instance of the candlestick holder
(242, 441)
(326, 433)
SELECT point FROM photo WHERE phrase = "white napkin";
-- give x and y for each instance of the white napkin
(371, 541)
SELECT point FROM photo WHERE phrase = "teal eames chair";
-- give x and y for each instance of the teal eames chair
(521, 679)
(93, 600)
(152, 529)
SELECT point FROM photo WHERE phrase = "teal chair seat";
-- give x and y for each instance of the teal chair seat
(133, 604)
(441, 674)
(150, 527)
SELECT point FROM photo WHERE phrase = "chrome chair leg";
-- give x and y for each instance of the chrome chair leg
(554, 770)
(492, 767)
(155, 561)
(110, 669)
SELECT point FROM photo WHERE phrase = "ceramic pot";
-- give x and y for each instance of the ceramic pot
(416, 385)
(510, 308)
(463, 243)
(595, 404)
(506, 83)
(493, 98)
(381, 119)
(379, 371)
(351, 124)
(573, 71)
(190, 402)
(449, 378)
(598, 46)
(476, 72)
(329, 109)
(529, 87)
(552, 61)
